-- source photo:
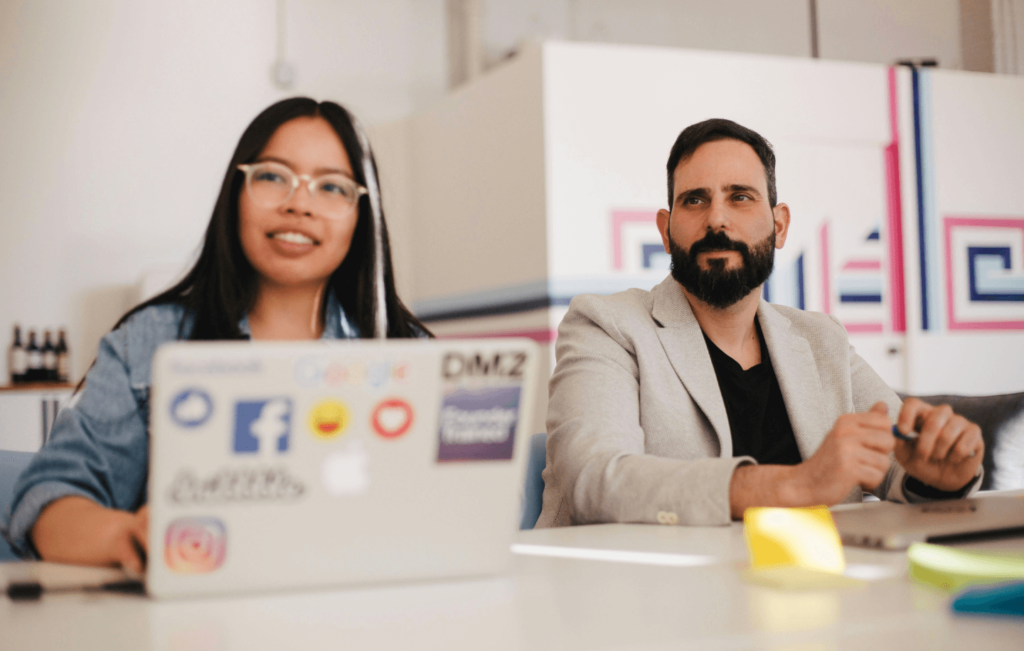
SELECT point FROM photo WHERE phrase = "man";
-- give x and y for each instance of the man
(694, 401)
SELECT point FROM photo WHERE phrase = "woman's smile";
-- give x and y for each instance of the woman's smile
(292, 243)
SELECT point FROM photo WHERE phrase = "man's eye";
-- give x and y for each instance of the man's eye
(691, 201)
(743, 197)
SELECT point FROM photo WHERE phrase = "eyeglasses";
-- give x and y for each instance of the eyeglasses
(271, 185)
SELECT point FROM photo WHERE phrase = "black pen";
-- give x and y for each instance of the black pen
(904, 437)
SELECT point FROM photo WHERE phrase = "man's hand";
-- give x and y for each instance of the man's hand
(854, 453)
(78, 531)
(948, 449)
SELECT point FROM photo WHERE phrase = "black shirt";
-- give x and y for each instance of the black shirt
(753, 401)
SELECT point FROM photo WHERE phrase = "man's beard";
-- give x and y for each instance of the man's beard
(717, 286)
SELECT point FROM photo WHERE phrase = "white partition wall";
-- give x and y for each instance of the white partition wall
(541, 181)
(964, 231)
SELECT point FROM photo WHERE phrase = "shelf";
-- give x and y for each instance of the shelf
(37, 386)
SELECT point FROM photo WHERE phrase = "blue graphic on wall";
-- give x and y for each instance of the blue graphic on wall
(990, 269)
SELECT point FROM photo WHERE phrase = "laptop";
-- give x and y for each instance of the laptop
(302, 465)
(888, 525)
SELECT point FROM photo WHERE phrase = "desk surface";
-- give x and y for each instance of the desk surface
(678, 587)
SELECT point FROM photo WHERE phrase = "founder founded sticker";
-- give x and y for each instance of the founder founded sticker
(478, 424)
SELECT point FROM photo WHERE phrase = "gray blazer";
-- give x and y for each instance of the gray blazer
(637, 427)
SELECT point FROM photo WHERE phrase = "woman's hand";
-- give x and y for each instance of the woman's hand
(79, 531)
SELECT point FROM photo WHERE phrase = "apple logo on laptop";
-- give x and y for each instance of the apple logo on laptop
(347, 471)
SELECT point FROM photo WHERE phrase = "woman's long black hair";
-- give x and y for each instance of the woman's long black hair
(221, 286)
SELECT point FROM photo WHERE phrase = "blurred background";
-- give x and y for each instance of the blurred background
(497, 121)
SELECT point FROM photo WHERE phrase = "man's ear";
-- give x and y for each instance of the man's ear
(781, 212)
(663, 217)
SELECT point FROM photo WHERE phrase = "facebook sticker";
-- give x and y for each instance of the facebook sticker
(478, 424)
(262, 426)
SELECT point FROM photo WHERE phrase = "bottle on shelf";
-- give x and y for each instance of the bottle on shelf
(34, 359)
(49, 359)
(17, 358)
(63, 359)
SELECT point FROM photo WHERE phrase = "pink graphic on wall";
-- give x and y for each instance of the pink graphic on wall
(826, 289)
(862, 265)
(540, 335)
(894, 230)
(620, 220)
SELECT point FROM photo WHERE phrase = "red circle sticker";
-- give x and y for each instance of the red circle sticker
(392, 418)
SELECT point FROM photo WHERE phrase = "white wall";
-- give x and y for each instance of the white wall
(118, 119)
(874, 31)
(883, 31)
(973, 133)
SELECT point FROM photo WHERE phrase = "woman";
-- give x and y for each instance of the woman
(296, 249)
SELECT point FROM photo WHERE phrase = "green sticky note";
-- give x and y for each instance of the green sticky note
(954, 569)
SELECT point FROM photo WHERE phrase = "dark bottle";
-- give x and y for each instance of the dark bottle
(34, 366)
(17, 358)
(63, 358)
(49, 359)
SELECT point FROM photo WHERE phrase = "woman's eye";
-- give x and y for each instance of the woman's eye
(268, 176)
(335, 188)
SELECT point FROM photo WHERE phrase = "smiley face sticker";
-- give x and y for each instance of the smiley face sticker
(392, 418)
(328, 419)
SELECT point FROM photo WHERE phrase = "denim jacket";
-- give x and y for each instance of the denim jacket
(99, 444)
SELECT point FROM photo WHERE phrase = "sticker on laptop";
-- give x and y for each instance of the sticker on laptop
(501, 366)
(316, 371)
(235, 485)
(262, 426)
(478, 424)
(346, 471)
(195, 545)
(328, 419)
(391, 418)
(191, 408)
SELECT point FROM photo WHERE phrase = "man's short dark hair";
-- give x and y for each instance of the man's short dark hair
(714, 129)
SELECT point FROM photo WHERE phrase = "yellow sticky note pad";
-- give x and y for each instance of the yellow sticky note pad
(799, 578)
(799, 537)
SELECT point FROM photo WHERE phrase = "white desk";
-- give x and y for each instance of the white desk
(546, 603)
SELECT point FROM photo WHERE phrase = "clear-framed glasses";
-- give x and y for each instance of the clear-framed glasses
(271, 184)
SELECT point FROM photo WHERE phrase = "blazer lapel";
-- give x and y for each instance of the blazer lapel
(798, 378)
(683, 341)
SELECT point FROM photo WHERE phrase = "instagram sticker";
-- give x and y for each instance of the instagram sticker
(195, 545)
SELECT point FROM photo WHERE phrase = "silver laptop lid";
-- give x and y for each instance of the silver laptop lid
(889, 525)
(287, 465)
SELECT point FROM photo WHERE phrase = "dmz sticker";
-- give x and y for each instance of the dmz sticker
(262, 426)
(191, 408)
(195, 545)
(478, 424)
